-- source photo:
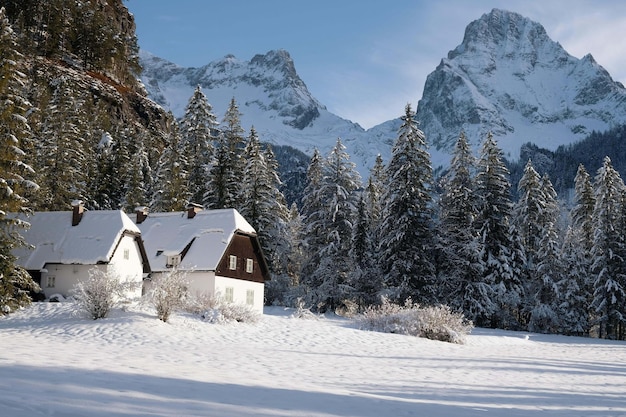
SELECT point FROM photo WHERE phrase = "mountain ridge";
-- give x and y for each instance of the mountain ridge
(506, 77)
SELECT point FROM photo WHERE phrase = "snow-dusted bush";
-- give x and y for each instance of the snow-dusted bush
(215, 309)
(97, 295)
(435, 322)
(302, 312)
(169, 292)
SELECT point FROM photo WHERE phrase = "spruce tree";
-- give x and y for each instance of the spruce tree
(15, 282)
(170, 183)
(262, 203)
(502, 256)
(406, 235)
(227, 165)
(312, 219)
(460, 271)
(197, 129)
(608, 254)
(337, 193)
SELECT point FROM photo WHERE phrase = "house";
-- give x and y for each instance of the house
(66, 245)
(217, 250)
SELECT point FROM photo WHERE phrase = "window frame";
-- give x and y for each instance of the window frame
(232, 262)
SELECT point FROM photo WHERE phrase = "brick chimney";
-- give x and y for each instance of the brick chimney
(193, 209)
(142, 214)
(78, 209)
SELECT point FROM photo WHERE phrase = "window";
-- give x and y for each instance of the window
(250, 297)
(173, 260)
(249, 265)
(51, 282)
(126, 253)
(232, 264)
(230, 294)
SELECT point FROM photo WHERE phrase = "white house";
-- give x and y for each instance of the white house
(217, 249)
(67, 244)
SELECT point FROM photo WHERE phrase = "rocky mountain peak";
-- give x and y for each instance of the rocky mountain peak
(509, 78)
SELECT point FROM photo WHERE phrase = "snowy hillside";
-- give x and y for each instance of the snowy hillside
(510, 78)
(131, 364)
(271, 97)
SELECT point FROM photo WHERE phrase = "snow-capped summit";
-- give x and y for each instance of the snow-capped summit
(510, 78)
(271, 97)
(506, 77)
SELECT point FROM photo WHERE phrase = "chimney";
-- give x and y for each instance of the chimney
(77, 211)
(142, 214)
(193, 209)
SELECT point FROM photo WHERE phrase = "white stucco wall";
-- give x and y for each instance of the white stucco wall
(129, 270)
(206, 283)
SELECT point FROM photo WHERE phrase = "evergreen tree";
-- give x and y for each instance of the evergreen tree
(15, 283)
(227, 166)
(406, 236)
(313, 219)
(460, 270)
(502, 255)
(577, 283)
(545, 314)
(64, 153)
(139, 179)
(337, 193)
(170, 184)
(197, 127)
(262, 203)
(608, 257)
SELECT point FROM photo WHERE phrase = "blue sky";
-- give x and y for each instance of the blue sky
(364, 59)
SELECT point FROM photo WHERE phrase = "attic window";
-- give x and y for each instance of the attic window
(172, 261)
(232, 262)
(249, 265)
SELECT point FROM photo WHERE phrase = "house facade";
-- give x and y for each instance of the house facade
(67, 245)
(217, 251)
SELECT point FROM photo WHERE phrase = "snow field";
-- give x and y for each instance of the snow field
(54, 363)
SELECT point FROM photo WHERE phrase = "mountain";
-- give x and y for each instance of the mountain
(271, 97)
(507, 77)
(510, 78)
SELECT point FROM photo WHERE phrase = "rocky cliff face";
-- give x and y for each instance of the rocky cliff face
(510, 78)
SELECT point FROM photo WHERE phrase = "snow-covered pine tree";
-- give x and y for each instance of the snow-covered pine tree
(460, 272)
(170, 183)
(608, 257)
(313, 219)
(545, 314)
(366, 278)
(63, 155)
(227, 165)
(576, 285)
(574, 288)
(406, 233)
(337, 193)
(197, 129)
(502, 255)
(139, 175)
(15, 282)
(262, 203)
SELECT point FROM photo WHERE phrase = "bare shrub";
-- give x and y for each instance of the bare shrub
(433, 322)
(169, 292)
(215, 309)
(97, 295)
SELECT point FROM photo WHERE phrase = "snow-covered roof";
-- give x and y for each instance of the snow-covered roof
(55, 240)
(205, 237)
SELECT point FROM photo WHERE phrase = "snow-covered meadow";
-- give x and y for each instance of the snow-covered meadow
(54, 363)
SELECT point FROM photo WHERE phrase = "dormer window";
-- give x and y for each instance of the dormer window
(173, 261)
(232, 262)
(249, 265)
